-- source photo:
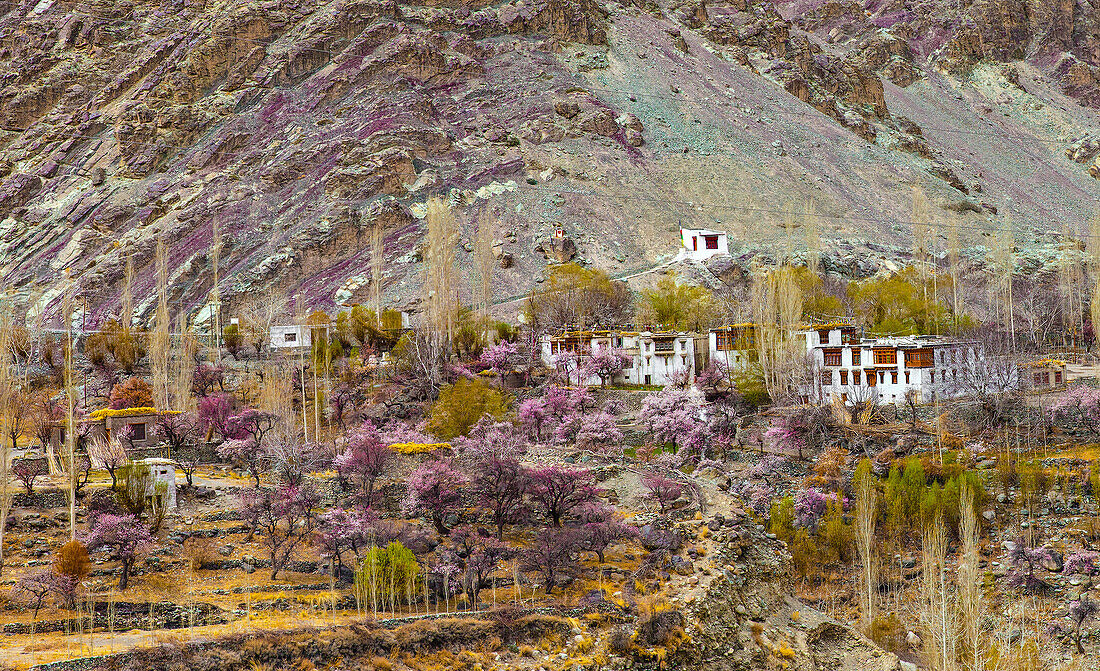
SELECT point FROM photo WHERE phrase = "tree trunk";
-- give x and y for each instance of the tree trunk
(125, 579)
(437, 520)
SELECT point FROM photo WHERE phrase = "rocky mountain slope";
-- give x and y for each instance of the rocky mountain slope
(291, 127)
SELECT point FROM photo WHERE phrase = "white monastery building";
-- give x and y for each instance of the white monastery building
(885, 369)
(655, 357)
(700, 244)
(845, 365)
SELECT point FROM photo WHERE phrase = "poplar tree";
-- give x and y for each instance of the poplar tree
(1094, 248)
(970, 579)
(439, 271)
(6, 386)
(1004, 261)
(376, 254)
(484, 266)
(161, 341)
(866, 512)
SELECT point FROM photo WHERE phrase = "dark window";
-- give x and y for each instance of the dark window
(290, 337)
(906, 377)
(1037, 378)
(832, 357)
(1057, 377)
(894, 377)
(855, 357)
(827, 377)
(712, 241)
(137, 431)
(843, 377)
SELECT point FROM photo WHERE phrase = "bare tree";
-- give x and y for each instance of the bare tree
(161, 341)
(256, 319)
(5, 402)
(861, 401)
(46, 414)
(970, 579)
(440, 287)
(418, 360)
(18, 411)
(953, 253)
(777, 311)
(986, 378)
(109, 454)
(1004, 261)
(484, 268)
(937, 606)
(866, 512)
(377, 258)
(215, 300)
(184, 372)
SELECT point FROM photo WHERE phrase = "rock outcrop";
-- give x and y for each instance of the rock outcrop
(294, 129)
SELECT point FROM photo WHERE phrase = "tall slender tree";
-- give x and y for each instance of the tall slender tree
(215, 301)
(866, 512)
(969, 578)
(184, 370)
(1004, 261)
(439, 282)
(70, 396)
(954, 253)
(161, 341)
(376, 260)
(484, 267)
(1094, 249)
(937, 607)
(6, 385)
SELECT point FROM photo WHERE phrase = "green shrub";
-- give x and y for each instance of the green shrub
(231, 336)
(461, 405)
(837, 537)
(888, 632)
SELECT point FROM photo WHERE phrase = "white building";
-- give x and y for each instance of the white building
(700, 244)
(160, 487)
(849, 367)
(733, 346)
(656, 358)
(289, 337)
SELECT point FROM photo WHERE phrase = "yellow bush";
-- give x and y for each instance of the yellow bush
(104, 413)
(418, 448)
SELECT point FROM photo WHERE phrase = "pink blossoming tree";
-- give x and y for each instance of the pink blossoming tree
(435, 489)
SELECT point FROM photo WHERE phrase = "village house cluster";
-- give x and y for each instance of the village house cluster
(842, 363)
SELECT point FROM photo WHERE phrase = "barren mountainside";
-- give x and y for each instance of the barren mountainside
(292, 127)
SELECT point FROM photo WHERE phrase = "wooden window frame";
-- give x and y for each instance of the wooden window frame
(885, 357)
